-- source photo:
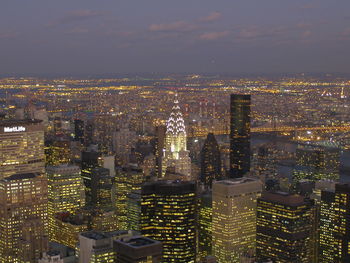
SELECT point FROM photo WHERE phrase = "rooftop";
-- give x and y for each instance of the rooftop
(236, 181)
(94, 235)
(21, 176)
(19, 122)
(283, 198)
(138, 241)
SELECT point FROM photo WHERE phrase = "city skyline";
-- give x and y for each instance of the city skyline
(175, 132)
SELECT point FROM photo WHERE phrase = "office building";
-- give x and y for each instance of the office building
(234, 218)
(51, 257)
(285, 225)
(96, 247)
(128, 179)
(239, 135)
(175, 153)
(159, 146)
(57, 152)
(66, 228)
(133, 210)
(314, 162)
(168, 214)
(65, 192)
(23, 217)
(79, 128)
(205, 212)
(102, 188)
(138, 249)
(123, 140)
(21, 147)
(210, 161)
(334, 237)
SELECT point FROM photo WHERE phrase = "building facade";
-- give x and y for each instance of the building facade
(138, 249)
(334, 234)
(168, 214)
(23, 218)
(21, 147)
(284, 228)
(234, 218)
(65, 192)
(175, 153)
(210, 161)
(239, 135)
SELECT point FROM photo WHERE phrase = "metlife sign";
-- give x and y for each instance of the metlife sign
(15, 129)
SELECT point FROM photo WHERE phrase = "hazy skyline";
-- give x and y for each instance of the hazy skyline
(109, 36)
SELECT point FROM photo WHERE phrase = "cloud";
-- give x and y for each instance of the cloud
(214, 35)
(178, 26)
(211, 17)
(308, 6)
(345, 34)
(306, 34)
(76, 16)
(303, 26)
(8, 35)
(78, 30)
(256, 32)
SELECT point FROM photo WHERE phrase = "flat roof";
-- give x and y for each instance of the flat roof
(10, 122)
(21, 176)
(139, 242)
(235, 181)
(94, 235)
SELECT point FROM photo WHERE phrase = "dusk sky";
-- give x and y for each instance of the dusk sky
(114, 36)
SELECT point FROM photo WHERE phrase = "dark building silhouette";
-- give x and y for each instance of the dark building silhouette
(79, 130)
(89, 161)
(210, 161)
(101, 188)
(285, 225)
(168, 214)
(138, 249)
(239, 135)
(159, 146)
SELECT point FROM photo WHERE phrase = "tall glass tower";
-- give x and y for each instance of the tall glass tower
(239, 135)
(168, 214)
(210, 161)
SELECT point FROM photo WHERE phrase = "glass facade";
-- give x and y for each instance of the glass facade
(168, 214)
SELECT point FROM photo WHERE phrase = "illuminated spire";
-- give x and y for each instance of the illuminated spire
(175, 148)
(176, 123)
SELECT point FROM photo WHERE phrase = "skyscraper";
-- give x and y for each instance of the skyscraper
(79, 130)
(334, 239)
(57, 152)
(239, 135)
(175, 150)
(97, 247)
(127, 180)
(23, 191)
(284, 228)
(168, 214)
(210, 161)
(133, 210)
(234, 218)
(205, 212)
(89, 161)
(159, 146)
(23, 217)
(102, 188)
(21, 147)
(65, 192)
